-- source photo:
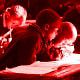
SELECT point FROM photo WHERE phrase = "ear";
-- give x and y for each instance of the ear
(46, 27)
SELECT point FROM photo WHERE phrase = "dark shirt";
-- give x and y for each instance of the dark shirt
(23, 48)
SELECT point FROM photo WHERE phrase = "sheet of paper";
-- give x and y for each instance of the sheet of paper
(30, 70)
(35, 68)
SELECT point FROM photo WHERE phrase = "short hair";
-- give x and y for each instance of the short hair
(17, 11)
(67, 32)
(46, 16)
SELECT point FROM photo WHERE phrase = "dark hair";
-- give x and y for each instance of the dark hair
(46, 16)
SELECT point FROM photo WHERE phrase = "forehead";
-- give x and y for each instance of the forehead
(55, 25)
(8, 17)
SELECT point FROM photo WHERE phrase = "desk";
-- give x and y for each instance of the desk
(67, 72)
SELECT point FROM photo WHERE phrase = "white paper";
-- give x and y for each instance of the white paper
(35, 68)
(30, 70)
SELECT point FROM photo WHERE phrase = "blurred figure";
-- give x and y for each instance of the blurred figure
(49, 22)
(20, 50)
(12, 18)
(65, 39)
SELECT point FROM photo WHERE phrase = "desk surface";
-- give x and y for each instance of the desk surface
(56, 74)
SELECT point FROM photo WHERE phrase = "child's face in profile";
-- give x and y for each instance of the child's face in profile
(53, 30)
